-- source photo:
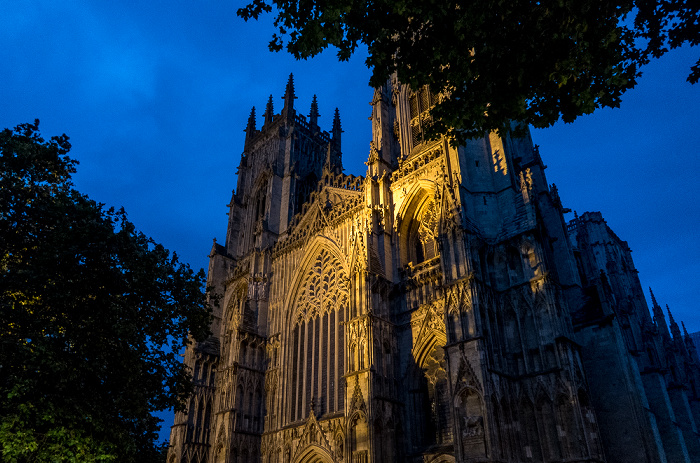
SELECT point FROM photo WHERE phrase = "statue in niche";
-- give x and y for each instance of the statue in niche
(339, 447)
(470, 415)
(472, 426)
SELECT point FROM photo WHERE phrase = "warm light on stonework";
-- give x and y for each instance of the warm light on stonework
(436, 310)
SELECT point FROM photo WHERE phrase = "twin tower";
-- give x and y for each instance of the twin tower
(438, 309)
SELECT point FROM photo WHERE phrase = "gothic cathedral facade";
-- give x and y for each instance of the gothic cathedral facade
(438, 309)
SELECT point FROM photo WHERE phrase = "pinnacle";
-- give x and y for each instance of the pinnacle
(251, 121)
(336, 120)
(289, 96)
(269, 111)
(313, 115)
(289, 90)
(653, 299)
(290, 81)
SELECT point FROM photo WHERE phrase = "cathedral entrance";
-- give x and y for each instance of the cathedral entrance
(314, 454)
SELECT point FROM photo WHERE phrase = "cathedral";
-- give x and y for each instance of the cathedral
(437, 309)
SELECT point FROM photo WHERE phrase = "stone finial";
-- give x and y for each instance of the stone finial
(313, 114)
(289, 96)
(269, 111)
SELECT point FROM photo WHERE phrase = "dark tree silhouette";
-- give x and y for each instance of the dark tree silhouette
(493, 62)
(92, 316)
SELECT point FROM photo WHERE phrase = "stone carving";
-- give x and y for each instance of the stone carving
(472, 426)
(324, 290)
(358, 401)
(443, 288)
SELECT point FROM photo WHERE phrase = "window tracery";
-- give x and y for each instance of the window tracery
(420, 103)
(424, 238)
(317, 347)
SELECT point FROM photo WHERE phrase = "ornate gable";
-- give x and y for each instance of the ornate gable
(312, 434)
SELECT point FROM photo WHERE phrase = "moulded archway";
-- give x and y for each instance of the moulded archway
(418, 215)
(314, 454)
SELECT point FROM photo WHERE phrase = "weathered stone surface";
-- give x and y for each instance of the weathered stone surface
(438, 309)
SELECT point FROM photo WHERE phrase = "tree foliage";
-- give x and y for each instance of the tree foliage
(495, 61)
(92, 316)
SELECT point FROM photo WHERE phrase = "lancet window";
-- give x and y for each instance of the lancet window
(316, 352)
(424, 235)
(420, 103)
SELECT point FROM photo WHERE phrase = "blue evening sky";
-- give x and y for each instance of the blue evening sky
(155, 96)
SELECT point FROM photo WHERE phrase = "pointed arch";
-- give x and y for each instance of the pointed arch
(315, 311)
(530, 440)
(339, 442)
(314, 454)
(409, 212)
(469, 412)
(317, 246)
(357, 434)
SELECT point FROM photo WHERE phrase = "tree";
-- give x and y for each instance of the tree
(92, 316)
(493, 61)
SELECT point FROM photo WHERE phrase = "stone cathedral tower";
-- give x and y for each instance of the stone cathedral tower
(438, 309)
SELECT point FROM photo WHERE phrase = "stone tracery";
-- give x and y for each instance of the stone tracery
(315, 354)
(458, 352)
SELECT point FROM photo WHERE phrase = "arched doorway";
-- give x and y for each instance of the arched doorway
(314, 454)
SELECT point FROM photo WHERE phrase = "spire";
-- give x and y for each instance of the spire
(337, 130)
(269, 111)
(659, 318)
(289, 97)
(250, 129)
(313, 115)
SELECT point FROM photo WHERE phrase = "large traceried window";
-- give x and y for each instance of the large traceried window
(316, 355)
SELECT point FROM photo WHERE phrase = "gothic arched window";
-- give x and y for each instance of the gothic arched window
(316, 354)
(420, 103)
(424, 233)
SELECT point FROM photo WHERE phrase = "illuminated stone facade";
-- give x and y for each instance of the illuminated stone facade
(438, 309)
